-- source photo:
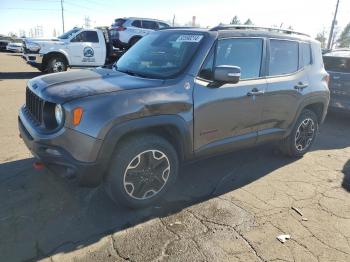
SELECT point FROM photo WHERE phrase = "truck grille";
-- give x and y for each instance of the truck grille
(34, 106)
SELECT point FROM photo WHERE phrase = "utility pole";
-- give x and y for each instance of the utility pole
(330, 39)
(62, 16)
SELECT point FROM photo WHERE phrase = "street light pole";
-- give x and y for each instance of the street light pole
(330, 39)
(62, 16)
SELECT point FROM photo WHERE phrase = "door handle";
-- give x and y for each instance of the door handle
(255, 92)
(300, 86)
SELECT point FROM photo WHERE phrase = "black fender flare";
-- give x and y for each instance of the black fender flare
(323, 99)
(118, 131)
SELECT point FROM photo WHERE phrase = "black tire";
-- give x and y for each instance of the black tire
(56, 64)
(133, 41)
(138, 148)
(289, 145)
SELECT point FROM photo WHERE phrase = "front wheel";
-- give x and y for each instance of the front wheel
(302, 136)
(56, 65)
(142, 169)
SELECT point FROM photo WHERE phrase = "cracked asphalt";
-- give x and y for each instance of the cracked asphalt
(228, 208)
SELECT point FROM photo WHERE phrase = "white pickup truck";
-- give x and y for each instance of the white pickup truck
(76, 48)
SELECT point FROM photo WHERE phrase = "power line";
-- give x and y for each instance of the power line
(23, 8)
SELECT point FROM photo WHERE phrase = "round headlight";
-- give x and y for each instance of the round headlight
(59, 114)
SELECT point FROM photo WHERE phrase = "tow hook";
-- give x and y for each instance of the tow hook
(38, 165)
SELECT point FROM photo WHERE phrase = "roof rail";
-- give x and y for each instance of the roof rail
(253, 27)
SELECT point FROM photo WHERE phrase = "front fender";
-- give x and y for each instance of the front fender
(117, 132)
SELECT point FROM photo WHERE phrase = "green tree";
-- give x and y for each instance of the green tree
(344, 38)
(322, 38)
(248, 22)
(235, 21)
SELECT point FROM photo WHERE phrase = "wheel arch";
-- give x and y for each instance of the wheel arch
(134, 37)
(171, 127)
(49, 55)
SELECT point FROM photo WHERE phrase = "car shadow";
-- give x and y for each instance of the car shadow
(18, 75)
(346, 179)
(42, 214)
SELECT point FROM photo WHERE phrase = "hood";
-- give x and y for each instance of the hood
(67, 86)
(41, 39)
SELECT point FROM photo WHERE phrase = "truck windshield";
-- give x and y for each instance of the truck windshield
(162, 54)
(68, 34)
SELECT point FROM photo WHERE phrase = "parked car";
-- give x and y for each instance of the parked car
(78, 47)
(177, 95)
(15, 47)
(337, 64)
(3, 43)
(125, 32)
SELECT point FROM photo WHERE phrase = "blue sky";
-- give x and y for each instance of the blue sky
(309, 16)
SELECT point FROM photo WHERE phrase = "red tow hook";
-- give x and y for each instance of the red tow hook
(38, 165)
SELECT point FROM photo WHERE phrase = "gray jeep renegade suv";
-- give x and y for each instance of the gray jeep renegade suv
(178, 94)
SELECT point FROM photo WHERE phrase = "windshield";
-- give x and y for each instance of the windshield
(337, 64)
(68, 34)
(160, 54)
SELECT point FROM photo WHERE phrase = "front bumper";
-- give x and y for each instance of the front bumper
(54, 151)
(34, 60)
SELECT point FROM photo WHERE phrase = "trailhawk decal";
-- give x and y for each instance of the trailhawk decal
(189, 38)
(88, 54)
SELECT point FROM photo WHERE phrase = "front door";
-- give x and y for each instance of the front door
(229, 116)
(85, 49)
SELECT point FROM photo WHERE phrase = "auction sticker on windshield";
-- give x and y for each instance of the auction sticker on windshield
(189, 38)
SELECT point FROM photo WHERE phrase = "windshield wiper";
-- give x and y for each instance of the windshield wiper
(132, 73)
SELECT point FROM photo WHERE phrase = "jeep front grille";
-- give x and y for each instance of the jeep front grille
(34, 106)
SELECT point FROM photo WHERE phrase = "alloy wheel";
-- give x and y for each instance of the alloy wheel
(305, 134)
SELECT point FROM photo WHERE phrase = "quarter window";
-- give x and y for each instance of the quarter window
(284, 57)
(243, 52)
(86, 36)
(306, 53)
(149, 24)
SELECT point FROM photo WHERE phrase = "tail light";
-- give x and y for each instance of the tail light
(121, 28)
(327, 78)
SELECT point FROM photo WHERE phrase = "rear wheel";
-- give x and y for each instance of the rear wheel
(56, 65)
(142, 169)
(302, 136)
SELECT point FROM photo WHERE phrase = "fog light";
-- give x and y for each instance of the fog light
(53, 152)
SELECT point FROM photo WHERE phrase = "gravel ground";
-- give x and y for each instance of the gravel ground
(228, 208)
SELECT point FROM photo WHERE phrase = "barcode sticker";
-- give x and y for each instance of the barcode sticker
(189, 38)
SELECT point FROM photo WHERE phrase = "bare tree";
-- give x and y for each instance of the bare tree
(235, 21)
(344, 38)
(248, 22)
(321, 36)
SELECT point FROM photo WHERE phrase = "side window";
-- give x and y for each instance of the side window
(149, 25)
(136, 23)
(284, 57)
(163, 25)
(243, 52)
(306, 54)
(206, 71)
(86, 36)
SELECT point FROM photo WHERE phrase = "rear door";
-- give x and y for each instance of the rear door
(339, 85)
(287, 81)
(87, 49)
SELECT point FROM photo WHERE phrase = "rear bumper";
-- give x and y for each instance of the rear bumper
(57, 158)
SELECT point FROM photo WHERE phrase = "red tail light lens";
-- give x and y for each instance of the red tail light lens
(326, 78)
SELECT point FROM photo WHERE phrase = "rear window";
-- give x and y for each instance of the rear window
(337, 64)
(119, 22)
(86, 36)
(284, 57)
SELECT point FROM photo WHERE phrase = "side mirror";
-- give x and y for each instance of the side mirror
(227, 74)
